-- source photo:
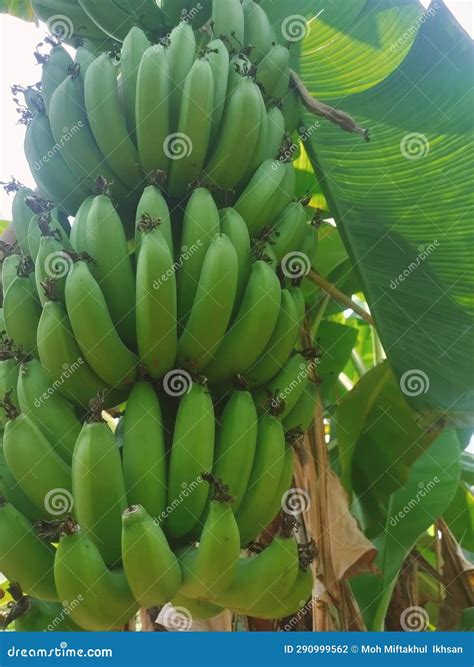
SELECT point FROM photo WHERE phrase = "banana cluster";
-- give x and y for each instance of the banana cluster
(183, 264)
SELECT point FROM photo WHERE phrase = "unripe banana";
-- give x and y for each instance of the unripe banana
(200, 225)
(46, 224)
(256, 202)
(296, 599)
(229, 161)
(235, 444)
(99, 489)
(42, 474)
(291, 110)
(259, 575)
(50, 171)
(45, 617)
(218, 58)
(10, 266)
(275, 133)
(156, 304)
(21, 216)
(298, 298)
(261, 146)
(11, 491)
(287, 386)
(79, 229)
(302, 413)
(107, 121)
(153, 205)
(134, 46)
(111, 17)
(22, 312)
(152, 570)
(249, 334)
(198, 609)
(24, 556)
(144, 451)
(62, 360)
(194, 127)
(83, 26)
(212, 304)
(101, 345)
(52, 263)
(233, 226)
(192, 454)
(152, 110)
(83, 61)
(209, 569)
(280, 345)
(180, 55)
(273, 72)
(289, 230)
(266, 473)
(106, 602)
(55, 70)
(259, 34)
(107, 245)
(77, 145)
(175, 10)
(228, 23)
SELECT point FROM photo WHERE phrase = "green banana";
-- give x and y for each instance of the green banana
(107, 121)
(273, 72)
(22, 312)
(280, 345)
(188, 149)
(174, 11)
(106, 602)
(235, 445)
(232, 154)
(287, 386)
(282, 607)
(51, 413)
(218, 58)
(144, 455)
(239, 66)
(11, 490)
(21, 216)
(55, 70)
(191, 455)
(266, 473)
(228, 23)
(256, 204)
(46, 224)
(200, 225)
(273, 568)
(249, 334)
(290, 229)
(152, 110)
(77, 143)
(302, 413)
(134, 46)
(10, 266)
(78, 230)
(180, 55)
(24, 556)
(67, 21)
(111, 266)
(184, 610)
(152, 570)
(213, 303)
(209, 569)
(261, 146)
(153, 205)
(52, 263)
(83, 60)
(62, 360)
(259, 34)
(275, 133)
(101, 345)
(48, 167)
(110, 17)
(42, 474)
(156, 303)
(298, 298)
(233, 226)
(98, 487)
(291, 110)
(45, 617)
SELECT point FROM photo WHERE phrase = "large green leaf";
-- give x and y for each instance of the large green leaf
(22, 9)
(427, 493)
(402, 204)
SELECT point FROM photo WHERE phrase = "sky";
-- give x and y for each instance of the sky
(18, 41)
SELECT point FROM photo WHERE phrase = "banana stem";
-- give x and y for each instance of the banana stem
(333, 291)
(318, 108)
